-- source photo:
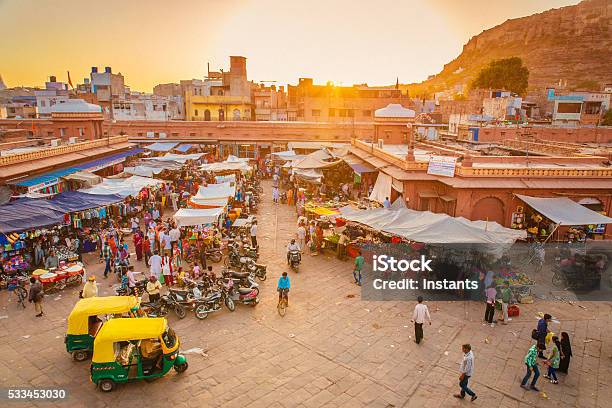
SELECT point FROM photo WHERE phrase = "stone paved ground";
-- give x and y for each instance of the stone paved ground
(330, 350)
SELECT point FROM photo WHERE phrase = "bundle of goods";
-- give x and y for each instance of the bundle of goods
(16, 263)
(65, 254)
(514, 278)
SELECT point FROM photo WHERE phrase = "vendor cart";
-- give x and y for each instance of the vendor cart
(57, 279)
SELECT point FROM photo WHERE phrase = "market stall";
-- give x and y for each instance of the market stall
(185, 217)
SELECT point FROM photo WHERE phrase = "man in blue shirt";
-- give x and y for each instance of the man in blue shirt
(283, 288)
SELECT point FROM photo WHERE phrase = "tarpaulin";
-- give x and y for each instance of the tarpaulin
(186, 217)
(428, 227)
(221, 190)
(183, 148)
(179, 158)
(382, 188)
(71, 201)
(20, 215)
(123, 187)
(564, 211)
(161, 147)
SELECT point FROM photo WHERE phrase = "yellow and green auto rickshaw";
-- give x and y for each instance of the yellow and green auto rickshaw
(134, 349)
(86, 319)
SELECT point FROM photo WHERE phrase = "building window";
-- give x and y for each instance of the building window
(350, 113)
(207, 115)
(221, 115)
(192, 134)
(367, 113)
(331, 113)
(50, 134)
(62, 132)
(43, 103)
(196, 112)
(220, 92)
(81, 132)
(174, 134)
(342, 113)
(316, 112)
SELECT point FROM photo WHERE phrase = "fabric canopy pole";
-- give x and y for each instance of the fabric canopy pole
(382, 187)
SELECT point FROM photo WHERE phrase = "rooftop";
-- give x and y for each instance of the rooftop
(76, 106)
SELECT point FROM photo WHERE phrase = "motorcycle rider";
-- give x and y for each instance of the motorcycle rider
(283, 287)
(291, 248)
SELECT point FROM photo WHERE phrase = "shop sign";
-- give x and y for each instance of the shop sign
(442, 166)
(42, 185)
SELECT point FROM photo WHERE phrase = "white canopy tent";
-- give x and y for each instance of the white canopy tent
(234, 164)
(180, 158)
(382, 187)
(428, 227)
(123, 187)
(199, 202)
(161, 147)
(143, 171)
(221, 190)
(186, 217)
(564, 211)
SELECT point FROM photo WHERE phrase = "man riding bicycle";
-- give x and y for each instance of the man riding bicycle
(283, 288)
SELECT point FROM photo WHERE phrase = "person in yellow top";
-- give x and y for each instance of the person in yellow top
(90, 289)
(153, 288)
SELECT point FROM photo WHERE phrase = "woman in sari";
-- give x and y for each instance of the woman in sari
(138, 245)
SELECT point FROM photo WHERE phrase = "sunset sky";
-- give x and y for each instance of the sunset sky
(159, 41)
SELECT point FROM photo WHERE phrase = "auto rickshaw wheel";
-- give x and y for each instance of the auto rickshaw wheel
(106, 385)
(181, 368)
(80, 355)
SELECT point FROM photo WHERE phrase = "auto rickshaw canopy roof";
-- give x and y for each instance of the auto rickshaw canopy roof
(78, 318)
(127, 329)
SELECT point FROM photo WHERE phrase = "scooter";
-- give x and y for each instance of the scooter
(295, 257)
(240, 279)
(245, 296)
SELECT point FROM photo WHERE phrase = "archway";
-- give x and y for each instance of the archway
(207, 115)
(236, 114)
(489, 209)
(221, 114)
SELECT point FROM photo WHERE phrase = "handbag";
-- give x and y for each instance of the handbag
(534, 334)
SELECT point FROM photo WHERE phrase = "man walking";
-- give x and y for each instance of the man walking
(421, 312)
(36, 295)
(506, 296)
(359, 261)
(107, 255)
(254, 234)
(467, 370)
(532, 366)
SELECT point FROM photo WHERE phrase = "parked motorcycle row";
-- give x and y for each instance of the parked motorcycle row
(236, 285)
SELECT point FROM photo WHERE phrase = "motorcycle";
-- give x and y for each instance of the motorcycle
(212, 303)
(295, 257)
(245, 296)
(161, 307)
(256, 269)
(239, 279)
(140, 288)
(235, 259)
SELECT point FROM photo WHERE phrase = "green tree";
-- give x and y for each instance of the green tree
(509, 74)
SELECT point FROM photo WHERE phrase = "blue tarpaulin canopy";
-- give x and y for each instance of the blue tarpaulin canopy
(29, 213)
(161, 147)
(183, 148)
(88, 166)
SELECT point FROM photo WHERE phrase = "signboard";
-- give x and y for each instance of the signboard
(442, 166)
(42, 185)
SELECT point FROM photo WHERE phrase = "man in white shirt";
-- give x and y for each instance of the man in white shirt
(301, 235)
(165, 243)
(292, 246)
(254, 234)
(421, 313)
(135, 224)
(175, 235)
(155, 263)
(467, 370)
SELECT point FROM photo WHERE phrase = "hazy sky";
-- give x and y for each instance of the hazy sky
(158, 41)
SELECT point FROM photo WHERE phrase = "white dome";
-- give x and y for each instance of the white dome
(394, 110)
(76, 106)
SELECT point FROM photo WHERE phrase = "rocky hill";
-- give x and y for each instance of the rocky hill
(572, 44)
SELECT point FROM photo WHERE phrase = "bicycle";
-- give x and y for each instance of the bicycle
(283, 303)
(17, 286)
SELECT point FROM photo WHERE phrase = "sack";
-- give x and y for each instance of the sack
(534, 334)
(161, 279)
